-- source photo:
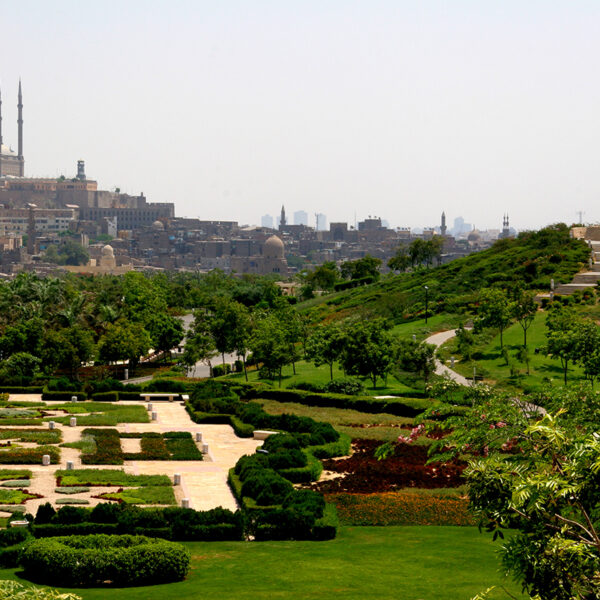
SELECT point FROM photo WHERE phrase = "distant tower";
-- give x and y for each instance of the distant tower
(443, 227)
(20, 124)
(0, 133)
(282, 221)
(81, 170)
(505, 227)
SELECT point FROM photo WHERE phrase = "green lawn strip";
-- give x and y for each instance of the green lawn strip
(11, 412)
(39, 436)
(16, 455)
(87, 444)
(69, 501)
(489, 362)
(103, 413)
(15, 496)
(378, 426)
(142, 495)
(411, 563)
(307, 372)
(22, 422)
(6, 474)
(108, 477)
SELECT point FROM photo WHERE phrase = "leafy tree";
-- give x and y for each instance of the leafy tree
(20, 365)
(292, 328)
(200, 345)
(368, 266)
(368, 350)
(324, 276)
(325, 346)
(464, 341)
(67, 349)
(166, 333)
(587, 348)
(269, 345)
(549, 492)
(124, 340)
(401, 260)
(562, 336)
(523, 310)
(415, 357)
(494, 310)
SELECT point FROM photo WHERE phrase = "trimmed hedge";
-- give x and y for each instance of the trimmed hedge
(106, 397)
(95, 559)
(62, 395)
(14, 389)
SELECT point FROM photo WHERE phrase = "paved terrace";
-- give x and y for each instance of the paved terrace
(203, 482)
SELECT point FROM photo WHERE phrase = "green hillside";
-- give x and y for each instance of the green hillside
(530, 261)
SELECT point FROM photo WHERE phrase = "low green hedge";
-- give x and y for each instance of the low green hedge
(60, 395)
(14, 389)
(106, 397)
(333, 449)
(311, 472)
(325, 528)
(95, 559)
(241, 429)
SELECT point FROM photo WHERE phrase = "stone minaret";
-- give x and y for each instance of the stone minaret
(282, 220)
(0, 134)
(20, 124)
(443, 227)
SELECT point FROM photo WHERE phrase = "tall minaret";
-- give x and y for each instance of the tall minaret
(282, 220)
(0, 133)
(20, 124)
(443, 226)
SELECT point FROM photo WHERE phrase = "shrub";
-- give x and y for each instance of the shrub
(219, 370)
(347, 385)
(67, 501)
(72, 490)
(94, 559)
(60, 395)
(106, 397)
(166, 385)
(142, 495)
(45, 514)
(12, 536)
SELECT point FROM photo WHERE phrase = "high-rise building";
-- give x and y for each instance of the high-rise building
(266, 221)
(300, 217)
(11, 163)
(320, 222)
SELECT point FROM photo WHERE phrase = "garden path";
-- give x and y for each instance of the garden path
(437, 339)
(204, 483)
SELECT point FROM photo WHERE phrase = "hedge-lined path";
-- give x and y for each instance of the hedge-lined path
(437, 339)
(204, 482)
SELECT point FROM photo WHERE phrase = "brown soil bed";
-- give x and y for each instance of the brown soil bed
(364, 474)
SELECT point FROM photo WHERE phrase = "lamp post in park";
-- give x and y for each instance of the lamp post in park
(426, 300)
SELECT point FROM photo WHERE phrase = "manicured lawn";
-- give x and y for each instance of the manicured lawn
(381, 426)
(143, 495)
(493, 366)
(383, 563)
(422, 330)
(102, 413)
(306, 371)
(103, 477)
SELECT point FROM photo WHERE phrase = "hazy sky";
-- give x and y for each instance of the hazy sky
(388, 108)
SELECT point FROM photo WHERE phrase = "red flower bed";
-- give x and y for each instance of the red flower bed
(364, 474)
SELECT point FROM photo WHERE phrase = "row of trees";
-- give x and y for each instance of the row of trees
(418, 253)
(325, 276)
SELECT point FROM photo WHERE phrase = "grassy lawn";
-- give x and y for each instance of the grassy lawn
(306, 371)
(412, 563)
(381, 426)
(435, 323)
(103, 477)
(143, 495)
(102, 413)
(490, 363)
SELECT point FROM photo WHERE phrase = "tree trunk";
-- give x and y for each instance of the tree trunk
(501, 341)
(525, 338)
(223, 357)
(244, 363)
(294, 366)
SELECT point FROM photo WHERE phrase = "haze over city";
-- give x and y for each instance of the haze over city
(394, 109)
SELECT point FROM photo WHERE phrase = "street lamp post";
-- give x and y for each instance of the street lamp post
(426, 300)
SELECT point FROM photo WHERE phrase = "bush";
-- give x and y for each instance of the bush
(347, 385)
(12, 536)
(94, 559)
(63, 384)
(62, 395)
(166, 385)
(45, 514)
(219, 370)
(106, 397)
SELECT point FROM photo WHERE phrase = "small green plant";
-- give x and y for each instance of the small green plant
(142, 495)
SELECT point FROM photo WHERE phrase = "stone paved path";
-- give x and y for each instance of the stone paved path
(204, 483)
(437, 339)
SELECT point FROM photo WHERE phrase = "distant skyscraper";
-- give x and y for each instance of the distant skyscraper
(300, 217)
(320, 222)
(266, 221)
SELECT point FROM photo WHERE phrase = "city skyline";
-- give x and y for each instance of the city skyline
(393, 108)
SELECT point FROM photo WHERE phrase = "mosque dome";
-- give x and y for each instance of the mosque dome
(7, 150)
(108, 250)
(273, 248)
(474, 236)
(158, 226)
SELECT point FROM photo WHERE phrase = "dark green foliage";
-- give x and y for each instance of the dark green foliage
(45, 514)
(106, 397)
(62, 395)
(266, 487)
(94, 559)
(108, 448)
(12, 536)
(219, 370)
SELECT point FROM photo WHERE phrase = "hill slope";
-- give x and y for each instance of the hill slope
(530, 261)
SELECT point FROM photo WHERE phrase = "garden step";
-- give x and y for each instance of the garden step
(588, 277)
(596, 266)
(566, 289)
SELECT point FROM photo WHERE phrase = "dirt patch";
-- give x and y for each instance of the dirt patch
(362, 473)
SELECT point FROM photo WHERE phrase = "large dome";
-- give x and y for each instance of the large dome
(7, 150)
(273, 248)
(108, 251)
(158, 226)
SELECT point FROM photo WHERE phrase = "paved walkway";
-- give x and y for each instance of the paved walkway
(204, 482)
(437, 339)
